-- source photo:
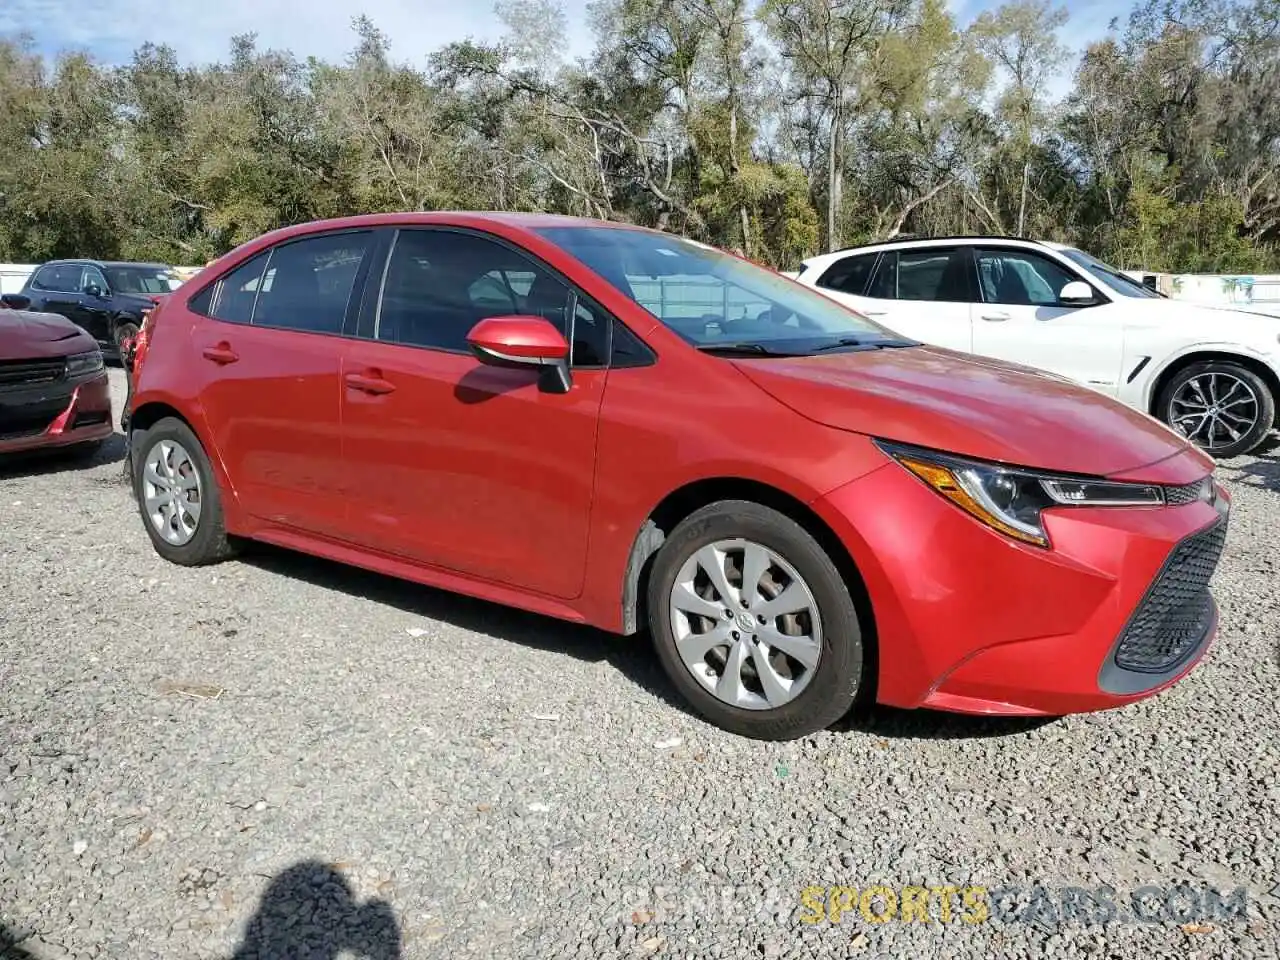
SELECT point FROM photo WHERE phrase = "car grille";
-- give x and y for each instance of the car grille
(21, 373)
(1188, 493)
(1177, 610)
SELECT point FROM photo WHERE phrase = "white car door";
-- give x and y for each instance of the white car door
(1021, 318)
(923, 293)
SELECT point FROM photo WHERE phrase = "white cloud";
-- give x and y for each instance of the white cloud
(201, 31)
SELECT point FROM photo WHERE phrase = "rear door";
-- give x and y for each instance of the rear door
(1022, 319)
(270, 343)
(924, 293)
(459, 465)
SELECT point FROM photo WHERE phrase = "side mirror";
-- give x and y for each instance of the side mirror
(1077, 293)
(523, 342)
(92, 290)
(16, 301)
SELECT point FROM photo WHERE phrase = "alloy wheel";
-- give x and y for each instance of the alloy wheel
(171, 492)
(1214, 409)
(747, 626)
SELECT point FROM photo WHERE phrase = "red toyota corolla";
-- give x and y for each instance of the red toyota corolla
(620, 427)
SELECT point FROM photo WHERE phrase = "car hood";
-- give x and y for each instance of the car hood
(28, 336)
(1206, 321)
(937, 398)
(140, 301)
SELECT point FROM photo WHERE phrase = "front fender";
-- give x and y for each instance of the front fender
(1231, 348)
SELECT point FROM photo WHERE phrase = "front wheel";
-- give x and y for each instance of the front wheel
(178, 495)
(1220, 406)
(754, 624)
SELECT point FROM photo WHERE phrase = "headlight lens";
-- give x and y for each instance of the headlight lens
(1011, 500)
(83, 364)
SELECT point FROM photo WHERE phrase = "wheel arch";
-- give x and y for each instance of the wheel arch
(697, 494)
(153, 409)
(1178, 364)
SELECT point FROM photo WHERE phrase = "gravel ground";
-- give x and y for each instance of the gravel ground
(281, 757)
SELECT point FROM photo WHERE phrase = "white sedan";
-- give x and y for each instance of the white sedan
(1211, 373)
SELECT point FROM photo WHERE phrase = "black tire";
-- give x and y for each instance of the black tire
(1265, 406)
(210, 543)
(124, 330)
(836, 680)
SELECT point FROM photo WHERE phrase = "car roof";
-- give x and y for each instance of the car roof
(82, 261)
(462, 218)
(896, 243)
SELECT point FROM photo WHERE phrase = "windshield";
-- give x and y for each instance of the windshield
(1121, 283)
(714, 300)
(139, 280)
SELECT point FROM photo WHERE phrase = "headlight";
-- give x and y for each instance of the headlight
(83, 364)
(1011, 500)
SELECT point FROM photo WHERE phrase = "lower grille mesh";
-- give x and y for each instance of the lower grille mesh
(1177, 610)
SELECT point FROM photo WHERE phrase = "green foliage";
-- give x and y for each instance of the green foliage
(858, 119)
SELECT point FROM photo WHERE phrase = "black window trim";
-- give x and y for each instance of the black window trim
(1064, 263)
(358, 284)
(371, 314)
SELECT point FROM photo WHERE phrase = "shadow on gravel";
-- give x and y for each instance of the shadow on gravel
(631, 656)
(9, 949)
(309, 911)
(1262, 472)
(895, 724)
(72, 459)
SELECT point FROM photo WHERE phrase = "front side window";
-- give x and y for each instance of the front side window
(1110, 277)
(93, 277)
(1018, 278)
(142, 281)
(441, 283)
(711, 299)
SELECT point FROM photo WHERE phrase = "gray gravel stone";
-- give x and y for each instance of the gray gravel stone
(354, 786)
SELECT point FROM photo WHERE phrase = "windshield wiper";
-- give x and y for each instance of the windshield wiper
(755, 349)
(855, 342)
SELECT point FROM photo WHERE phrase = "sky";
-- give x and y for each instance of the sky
(200, 30)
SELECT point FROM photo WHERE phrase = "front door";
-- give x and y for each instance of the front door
(270, 352)
(463, 466)
(1022, 319)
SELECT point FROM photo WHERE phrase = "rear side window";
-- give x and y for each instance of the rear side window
(231, 298)
(849, 275)
(308, 283)
(938, 274)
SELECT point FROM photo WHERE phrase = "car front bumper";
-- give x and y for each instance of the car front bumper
(58, 414)
(968, 620)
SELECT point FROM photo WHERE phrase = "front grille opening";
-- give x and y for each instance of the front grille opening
(1188, 493)
(1177, 611)
(89, 419)
(15, 373)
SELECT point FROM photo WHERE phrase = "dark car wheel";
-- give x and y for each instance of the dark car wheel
(754, 624)
(177, 495)
(1221, 407)
(125, 331)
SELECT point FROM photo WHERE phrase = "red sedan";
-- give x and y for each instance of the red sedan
(53, 385)
(620, 427)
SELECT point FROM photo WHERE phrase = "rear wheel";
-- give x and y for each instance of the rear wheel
(1221, 407)
(125, 331)
(754, 624)
(178, 496)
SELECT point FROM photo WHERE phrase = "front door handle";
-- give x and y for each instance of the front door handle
(221, 354)
(369, 383)
(995, 317)
(873, 313)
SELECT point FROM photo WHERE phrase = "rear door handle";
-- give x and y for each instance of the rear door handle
(995, 317)
(369, 383)
(221, 354)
